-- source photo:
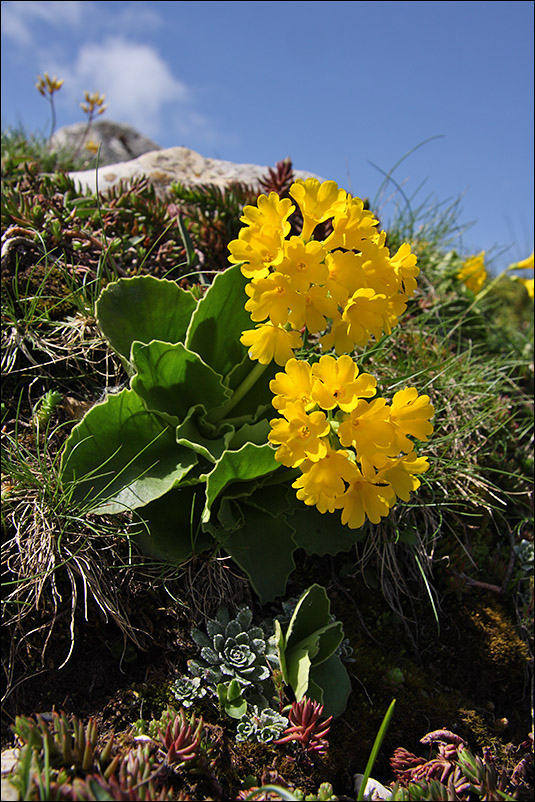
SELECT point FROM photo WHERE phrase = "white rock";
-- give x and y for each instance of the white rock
(374, 790)
(119, 142)
(163, 167)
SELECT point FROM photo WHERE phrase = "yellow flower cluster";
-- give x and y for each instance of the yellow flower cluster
(93, 103)
(354, 453)
(347, 285)
(47, 85)
(473, 273)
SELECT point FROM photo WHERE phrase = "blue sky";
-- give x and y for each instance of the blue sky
(339, 87)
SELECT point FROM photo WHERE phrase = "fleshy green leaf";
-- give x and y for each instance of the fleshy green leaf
(311, 613)
(120, 456)
(218, 321)
(332, 679)
(247, 463)
(143, 308)
(169, 526)
(319, 533)
(170, 379)
(298, 673)
(263, 548)
(192, 433)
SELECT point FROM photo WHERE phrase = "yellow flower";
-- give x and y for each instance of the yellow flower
(352, 225)
(303, 263)
(410, 415)
(323, 482)
(94, 102)
(345, 275)
(47, 85)
(365, 499)
(473, 273)
(271, 211)
(318, 202)
(313, 309)
(365, 314)
(299, 436)
(528, 284)
(91, 146)
(405, 268)
(368, 430)
(258, 248)
(271, 297)
(336, 383)
(525, 264)
(399, 473)
(267, 343)
(294, 384)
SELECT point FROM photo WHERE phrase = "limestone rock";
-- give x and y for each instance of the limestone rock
(163, 167)
(119, 142)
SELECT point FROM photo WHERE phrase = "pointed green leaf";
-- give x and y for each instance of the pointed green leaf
(218, 321)
(143, 308)
(170, 379)
(120, 456)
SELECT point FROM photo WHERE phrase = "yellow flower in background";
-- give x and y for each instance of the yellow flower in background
(527, 283)
(473, 273)
(91, 146)
(94, 102)
(269, 343)
(525, 264)
(47, 86)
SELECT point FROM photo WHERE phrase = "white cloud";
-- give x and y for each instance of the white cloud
(19, 18)
(139, 86)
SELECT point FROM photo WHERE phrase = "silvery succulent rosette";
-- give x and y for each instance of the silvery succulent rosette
(233, 649)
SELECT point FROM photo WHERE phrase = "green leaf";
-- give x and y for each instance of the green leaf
(192, 433)
(120, 456)
(248, 462)
(332, 680)
(169, 527)
(143, 308)
(319, 533)
(263, 548)
(218, 321)
(298, 672)
(311, 613)
(170, 379)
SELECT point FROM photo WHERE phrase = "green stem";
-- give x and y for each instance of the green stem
(249, 381)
